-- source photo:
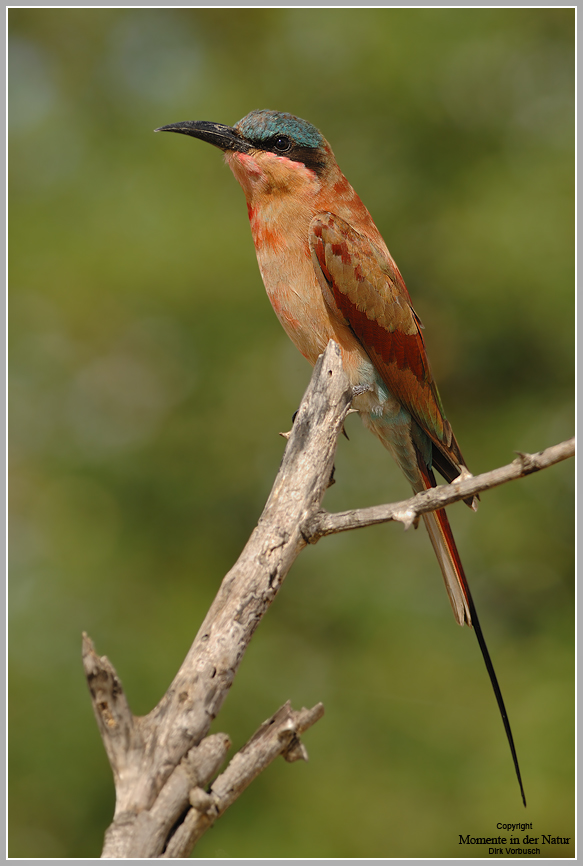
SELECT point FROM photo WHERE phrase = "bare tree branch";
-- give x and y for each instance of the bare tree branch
(163, 763)
(279, 735)
(145, 752)
(409, 510)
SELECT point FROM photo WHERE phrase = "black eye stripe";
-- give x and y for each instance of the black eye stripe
(285, 146)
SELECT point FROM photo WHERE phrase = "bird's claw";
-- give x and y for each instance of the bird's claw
(408, 517)
(464, 475)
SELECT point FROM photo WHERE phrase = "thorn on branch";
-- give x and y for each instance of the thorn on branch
(527, 462)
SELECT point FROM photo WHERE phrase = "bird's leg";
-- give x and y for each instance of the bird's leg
(464, 475)
(357, 390)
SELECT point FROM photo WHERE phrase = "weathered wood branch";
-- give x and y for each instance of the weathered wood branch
(163, 763)
(279, 735)
(409, 510)
(182, 810)
(146, 752)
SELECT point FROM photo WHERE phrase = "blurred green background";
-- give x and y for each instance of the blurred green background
(149, 379)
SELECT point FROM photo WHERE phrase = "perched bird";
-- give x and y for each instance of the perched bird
(329, 275)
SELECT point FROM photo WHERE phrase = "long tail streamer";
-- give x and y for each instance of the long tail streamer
(475, 622)
(496, 687)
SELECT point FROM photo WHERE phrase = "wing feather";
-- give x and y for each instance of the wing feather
(365, 289)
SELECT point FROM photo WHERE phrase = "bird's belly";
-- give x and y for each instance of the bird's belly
(298, 302)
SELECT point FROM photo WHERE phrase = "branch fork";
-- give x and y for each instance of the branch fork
(163, 763)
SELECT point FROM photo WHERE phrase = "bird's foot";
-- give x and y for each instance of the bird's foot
(357, 390)
(408, 517)
(465, 475)
(350, 412)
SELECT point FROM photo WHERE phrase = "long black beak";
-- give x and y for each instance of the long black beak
(223, 137)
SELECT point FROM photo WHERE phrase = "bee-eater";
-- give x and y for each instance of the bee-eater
(329, 275)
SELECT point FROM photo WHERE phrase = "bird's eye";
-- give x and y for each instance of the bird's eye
(282, 144)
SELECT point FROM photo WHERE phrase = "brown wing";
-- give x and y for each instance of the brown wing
(365, 289)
